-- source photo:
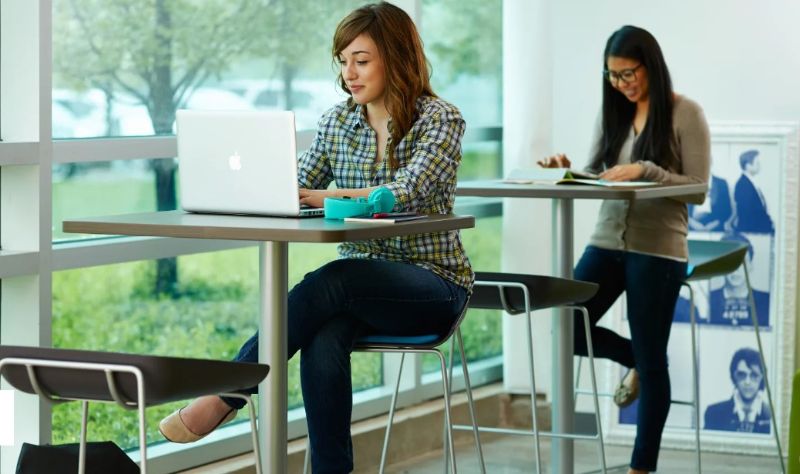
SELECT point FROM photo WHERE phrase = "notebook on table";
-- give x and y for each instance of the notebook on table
(239, 162)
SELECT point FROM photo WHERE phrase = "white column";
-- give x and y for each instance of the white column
(25, 207)
(527, 137)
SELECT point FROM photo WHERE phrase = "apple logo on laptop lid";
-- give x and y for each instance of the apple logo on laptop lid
(235, 161)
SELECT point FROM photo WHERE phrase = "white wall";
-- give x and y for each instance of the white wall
(739, 59)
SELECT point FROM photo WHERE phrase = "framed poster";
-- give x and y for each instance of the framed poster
(752, 198)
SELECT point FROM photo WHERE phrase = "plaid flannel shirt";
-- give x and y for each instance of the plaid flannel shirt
(344, 151)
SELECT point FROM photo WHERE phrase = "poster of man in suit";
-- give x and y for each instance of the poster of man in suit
(737, 207)
(747, 409)
(751, 204)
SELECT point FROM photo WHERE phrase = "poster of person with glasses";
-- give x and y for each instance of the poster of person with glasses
(747, 409)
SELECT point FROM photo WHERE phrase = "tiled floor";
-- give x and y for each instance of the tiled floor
(514, 455)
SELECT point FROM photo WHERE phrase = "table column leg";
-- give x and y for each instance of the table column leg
(272, 348)
(563, 405)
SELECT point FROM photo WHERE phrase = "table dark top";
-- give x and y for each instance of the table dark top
(256, 228)
(497, 188)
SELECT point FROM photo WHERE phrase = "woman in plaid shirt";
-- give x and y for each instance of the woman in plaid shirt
(392, 132)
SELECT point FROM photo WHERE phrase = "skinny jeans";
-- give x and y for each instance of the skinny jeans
(327, 312)
(651, 285)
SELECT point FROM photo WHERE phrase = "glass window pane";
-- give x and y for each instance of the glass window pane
(481, 160)
(115, 74)
(213, 311)
(463, 41)
(103, 188)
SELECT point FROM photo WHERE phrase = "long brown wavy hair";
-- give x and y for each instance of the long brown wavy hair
(404, 62)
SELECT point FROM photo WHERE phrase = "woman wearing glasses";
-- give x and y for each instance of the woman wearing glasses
(645, 132)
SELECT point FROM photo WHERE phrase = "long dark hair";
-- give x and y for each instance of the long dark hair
(405, 65)
(656, 142)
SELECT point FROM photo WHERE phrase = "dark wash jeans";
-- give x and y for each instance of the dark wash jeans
(651, 285)
(327, 312)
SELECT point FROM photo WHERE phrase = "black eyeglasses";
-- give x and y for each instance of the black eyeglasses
(626, 75)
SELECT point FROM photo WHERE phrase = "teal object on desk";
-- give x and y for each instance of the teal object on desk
(379, 200)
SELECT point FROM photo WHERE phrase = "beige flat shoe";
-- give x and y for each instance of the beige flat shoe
(173, 429)
(628, 389)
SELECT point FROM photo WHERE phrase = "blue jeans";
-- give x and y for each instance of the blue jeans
(332, 307)
(651, 285)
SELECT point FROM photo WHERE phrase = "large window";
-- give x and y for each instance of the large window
(122, 68)
(120, 71)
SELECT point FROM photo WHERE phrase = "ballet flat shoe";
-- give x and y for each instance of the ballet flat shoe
(173, 429)
(628, 389)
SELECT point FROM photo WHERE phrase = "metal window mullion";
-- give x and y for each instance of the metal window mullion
(110, 251)
(14, 264)
(19, 153)
(45, 304)
(87, 150)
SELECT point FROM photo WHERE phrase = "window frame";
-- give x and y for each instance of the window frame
(28, 262)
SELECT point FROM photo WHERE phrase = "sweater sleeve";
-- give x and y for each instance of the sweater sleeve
(694, 152)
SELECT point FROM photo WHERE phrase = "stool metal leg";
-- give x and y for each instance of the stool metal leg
(254, 434)
(142, 421)
(754, 318)
(590, 352)
(695, 378)
(82, 448)
(576, 384)
(253, 428)
(470, 401)
(448, 394)
(448, 419)
(532, 376)
(391, 414)
(307, 459)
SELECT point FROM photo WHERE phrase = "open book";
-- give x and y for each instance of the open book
(565, 176)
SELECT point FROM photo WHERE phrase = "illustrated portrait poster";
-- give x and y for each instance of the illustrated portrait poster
(752, 199)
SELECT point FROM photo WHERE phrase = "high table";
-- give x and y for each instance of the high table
(274, 233)
(563, 409)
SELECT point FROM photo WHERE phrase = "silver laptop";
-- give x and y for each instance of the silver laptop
(239, 162)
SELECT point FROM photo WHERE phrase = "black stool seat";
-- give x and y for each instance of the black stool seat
(712, 258)
(167, 379)
(545, 291)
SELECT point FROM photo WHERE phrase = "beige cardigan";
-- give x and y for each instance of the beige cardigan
(659, 226)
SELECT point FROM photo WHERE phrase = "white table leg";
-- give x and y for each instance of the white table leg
(272, 348)
(563, 405)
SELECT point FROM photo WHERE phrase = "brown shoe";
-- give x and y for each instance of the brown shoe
(628, 389)
(173, 429)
